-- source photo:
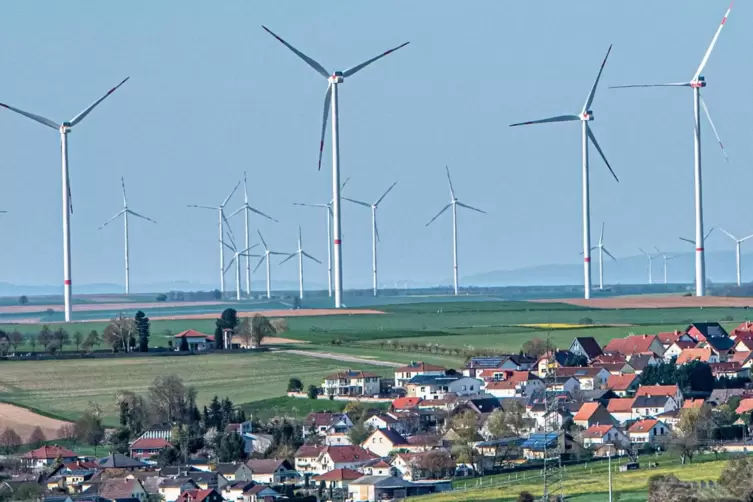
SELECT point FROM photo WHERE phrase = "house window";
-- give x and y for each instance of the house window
(471, 387)
(463, 388)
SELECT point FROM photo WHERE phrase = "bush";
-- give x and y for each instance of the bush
(586, 320)
(161, 297)
(295, 385)
(312, 392)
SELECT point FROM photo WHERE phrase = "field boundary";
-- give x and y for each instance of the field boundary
(37, 411)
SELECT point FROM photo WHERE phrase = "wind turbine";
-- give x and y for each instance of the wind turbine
(650, 265)
(64, 129)
(690, 241)
(125, 212)
(665, 258)
(585, 116)
(737, 252)
(374, 231)
(696, 82)
(300, 253)
(330, 99)
(265, 256)
(236, 258)
(221, 220)
(454, 203)
(602, 249)
(328, 207)
(246, 208)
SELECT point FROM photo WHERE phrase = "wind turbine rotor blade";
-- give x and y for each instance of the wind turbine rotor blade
(608, 253)
(310, 257)
(558, 118)
(730, 235)
(137, 215)
(711, 46)
(713, 128)
(325, 116)
(110, 220)
(316, 66)
(32, 116)
(385, 194)
(253, 210)
(376, 230)
(264, 243)
(598, 149)
(360, 203)
(280, 253)
(645, 253)
(229, 228)
(471, 208)
(345, 182)
(289, 257)
(242, 208)
(671, 84)
(78, 118)
(249, 249)
(202, 207)
(231, 194)
(231, 248)
(658, 250)
(230, 263)
(439, 214)
(601, 236)
(70, 194)
(259, 264)
(352, 71)
(307, 205)
(592, 94)
(449, 180)
(741, 240)
(232, 241)
(122, 184)
(708, 233)
(687, 240)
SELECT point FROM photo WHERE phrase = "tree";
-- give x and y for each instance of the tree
(45, 336)
(67, 432)
(695, 426)
(119, 333)
(279, 325)
(29, 491)
(695, 376)
(228, 320)
(183, 347)
(465, 425)
(142, 328)
(232, 448)
(313, 392)
(133, 411)
(15, 338)
(162, 297)
(78, 338)
(358, 433)
(437, 463)
(10, 441)
(260, 329)
(37, 437)
(32, 341)
(168, 400)
(243, 332)
(89, 429)
(295, 385)
(23, 300)
(535, 347)
(525, 497)
(61, 337)
(168, 456)
(355, 410)
(507, 421)
(737, 477)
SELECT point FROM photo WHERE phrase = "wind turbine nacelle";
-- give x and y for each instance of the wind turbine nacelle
(587, 115)
(701, 82)
(337, 77)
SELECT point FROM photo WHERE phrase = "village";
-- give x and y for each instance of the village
(684, 392)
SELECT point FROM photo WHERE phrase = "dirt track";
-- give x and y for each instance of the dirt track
(655, 302)
(24, 421)
(344, 358)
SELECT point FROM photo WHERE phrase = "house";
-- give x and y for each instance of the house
(588, 378)
(676, 349)
(119, 461)
(47, 455)
(621, 409)
(342, 457)
(271, 471)
(405, 403)
(729, 370)
(405, 373)
(519, 383)
(745, 406)
(384, 421)
(744, 344)
(374, 488)
(672, 391)
(743, 329)
(648, 431)
(306, 458)
(260, 493)
(693, 403)
(546, 445)
(503, 362)
(337, 432)
(171, 488)
(745, 358)
(202, 495)
(640, 362)
(119, 489)
(602, 434)
(635, 344)
(352, 383)
(586, 346)
(233, 491)
(147, 448)
(651, 406)
(197, 342)
(592, 414)
(623, 385)
(567, 384)
(206, 480)
(240, 428)
(382, 441)
(233, 472)
(722, 347)
(702, 354)
(550, 360)
(320, 422)
(337, 478)
(437, 386)
(670, 338)
(377, 467)
(703, 331)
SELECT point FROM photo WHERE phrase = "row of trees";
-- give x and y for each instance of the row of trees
(250, 331)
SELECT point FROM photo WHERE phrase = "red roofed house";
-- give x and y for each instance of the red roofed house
(703, 354)
(130, 488)
(342, 457)
(672, 391)
(635, 344)
(47, 455)
(517, 383)
(648, 430)
(744, 344)
(260, 493)
(745, 406)
(197, 342)
(745, 329)
(623, 385)
(621, 409)
(676, 349)
(351, 383)
(601, 434)
(405, 403)
(338, 478)
(667, 339)
(588, 378)
(693, 403)
(702, 331)
(729, 370)
(405, 373)
(592, 414)
(147, 447)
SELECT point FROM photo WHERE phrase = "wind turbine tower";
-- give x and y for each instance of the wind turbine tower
(650, 265)
(237, 260)
(737, 253)
(665, 259)
(334, 79)
(300, 253)
(602, 250)
(265, 256)
(125, 212)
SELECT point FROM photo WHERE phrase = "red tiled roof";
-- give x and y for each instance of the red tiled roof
(696, 354)
(657, 390)
(418, 367)
(348, 374)
(693, 403)
(643, 425)
(586, 411)
(339, 475)
(631, 344)
(402, 403)
(620, 405)
(321, 418)
(745, 406)
(670, 337)
(191, 495)
(522, 376)
(621, 382)
(609, 359)
(192, 333)
(685, 345)
(597, 431)
(747, 326)
(50, 452)
(728, 367)
(150, 444)
(501, 385)
(114, 489)
(308, 451)
(348, 453)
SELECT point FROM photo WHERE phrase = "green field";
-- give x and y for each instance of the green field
(296, 408)
(65, 388)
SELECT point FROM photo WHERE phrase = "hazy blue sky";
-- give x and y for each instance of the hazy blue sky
(211, 94)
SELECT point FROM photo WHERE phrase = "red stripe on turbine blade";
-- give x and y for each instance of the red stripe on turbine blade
(338, 242)
(67, 282)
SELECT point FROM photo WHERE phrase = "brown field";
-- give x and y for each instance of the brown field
(24, 421)
(657, 302)
(276, 340)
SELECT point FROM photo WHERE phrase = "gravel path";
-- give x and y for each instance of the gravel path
(344, 358)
